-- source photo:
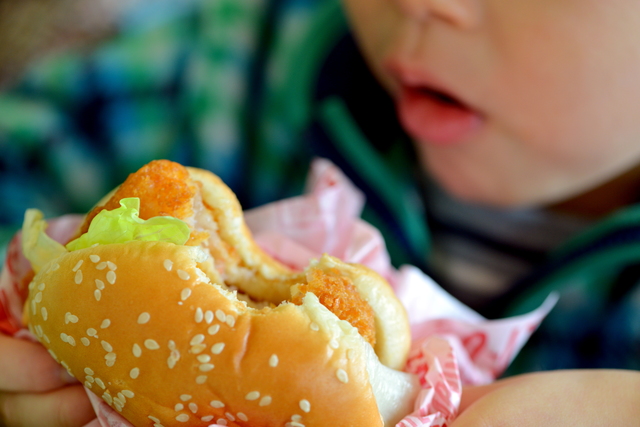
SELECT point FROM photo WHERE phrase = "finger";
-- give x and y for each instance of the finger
(27, 366)
(471, 394)
(64, 407)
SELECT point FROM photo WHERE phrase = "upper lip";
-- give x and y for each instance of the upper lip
(407, 76)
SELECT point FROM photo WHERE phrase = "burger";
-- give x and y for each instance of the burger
(164, 306)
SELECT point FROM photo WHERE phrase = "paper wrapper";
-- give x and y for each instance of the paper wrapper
(452, 345)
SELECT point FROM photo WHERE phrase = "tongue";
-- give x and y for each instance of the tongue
(434, 119)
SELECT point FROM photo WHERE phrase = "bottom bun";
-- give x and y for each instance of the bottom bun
(142, 326)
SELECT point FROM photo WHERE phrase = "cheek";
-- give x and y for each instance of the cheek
(375, 24)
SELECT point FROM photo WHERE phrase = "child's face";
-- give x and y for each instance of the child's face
(546, 93)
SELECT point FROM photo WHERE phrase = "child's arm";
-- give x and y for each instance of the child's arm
(36, 391)
(587, 398)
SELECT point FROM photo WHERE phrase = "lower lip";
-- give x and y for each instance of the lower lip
(433, 121)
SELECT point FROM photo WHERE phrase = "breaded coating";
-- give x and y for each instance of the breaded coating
(164, 188)
(341, 297)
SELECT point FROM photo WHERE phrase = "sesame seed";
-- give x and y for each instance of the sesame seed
(342, 376)
(334, 343)
(229, 416)
(53, 354)
(314, 326)
(222, 422)
(100, 383)
(94, 258)
(110, 359)
(105, 324)
(186, 293)
(213, 329)
(111, 277)
(199, 315)
(231, 321)
(38, 298)
(154, 419)
(107, 397)
(198, 339)
(201, 379)
(208, 316)
(171, 361)
(151, 344)
(305, 405)
(128, 393)
(206, 367)
(111, 266)
(46, 338)
(137, 351)
(41, 286)
(77, 266)
(134, 373)
(296, 417)
(183, 275)
(78, 278)
(171, 344)
(295, 424)
(144, 318)
(216, 404)
(217, 348)
(221, 316)
(44, 312)
(101, 266)
(198, 348)
(254, 395)
(122, 397)
(183, 418)
(99, 284)
(87, 384)
(185, 397)
(242, 416)
(88, 371)
(265, 401)
(178, 407)
(92, 332)
(206, 418)
(64, 337)
(39, 330)
(351, 354)
(90, 379)
(85, 341)
(107, 347)
(273, 360)
(97, 294)
(168, 264)
(203, 358)
(193, 407)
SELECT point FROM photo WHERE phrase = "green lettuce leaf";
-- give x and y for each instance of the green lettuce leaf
(123, 225)
(37, 246)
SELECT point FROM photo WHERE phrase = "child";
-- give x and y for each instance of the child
(520, 157)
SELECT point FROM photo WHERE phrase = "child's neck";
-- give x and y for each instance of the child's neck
(604, 199)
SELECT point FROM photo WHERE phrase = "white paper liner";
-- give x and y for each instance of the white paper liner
(452, 345)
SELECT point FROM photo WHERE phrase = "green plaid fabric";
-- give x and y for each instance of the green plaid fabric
(206, 83)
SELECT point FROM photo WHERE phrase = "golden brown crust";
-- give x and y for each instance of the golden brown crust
(252, 361)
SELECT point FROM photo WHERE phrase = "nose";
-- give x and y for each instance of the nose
(464, 14)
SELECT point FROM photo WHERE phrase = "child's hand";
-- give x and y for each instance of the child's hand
(36, 391)
(557, 398)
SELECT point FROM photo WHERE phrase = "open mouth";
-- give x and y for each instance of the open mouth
(436, 117)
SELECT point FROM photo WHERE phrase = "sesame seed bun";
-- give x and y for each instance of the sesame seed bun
(183, 335)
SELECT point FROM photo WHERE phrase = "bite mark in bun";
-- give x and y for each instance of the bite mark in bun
(212, 329)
